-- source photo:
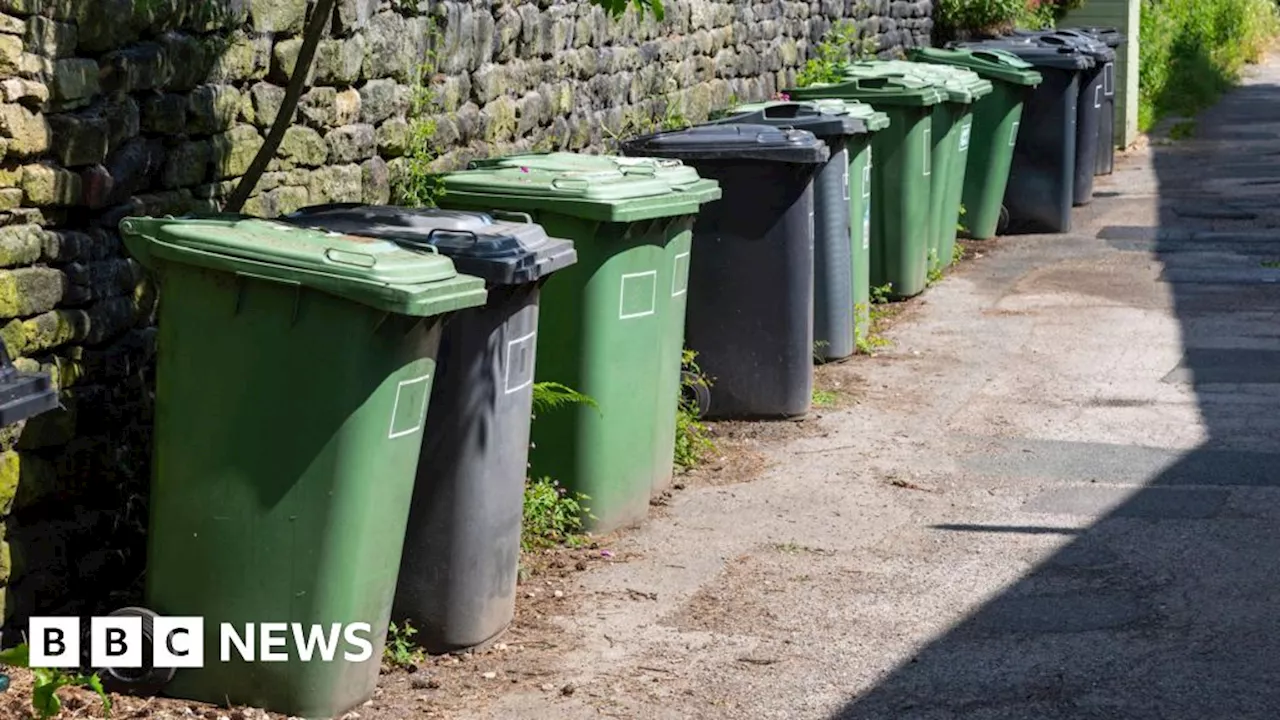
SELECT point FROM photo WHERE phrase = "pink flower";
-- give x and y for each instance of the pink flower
(606, 553)
(782, 96)
(524, 170)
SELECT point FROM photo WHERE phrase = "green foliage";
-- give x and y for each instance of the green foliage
(957, 253)
(954, 18)
(824, 398)
(419, 185)
(1183, 130)
(693, 441)
(935, 268)
(552, 395)
(1191, 51)
(872, 340)
(841, 44)
(47, 682)
(617, 7)
(552, 515)
(1272, 264)
(400, 650)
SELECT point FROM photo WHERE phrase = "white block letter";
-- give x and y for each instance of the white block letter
(230, 637)
(178, 642)
(116, 642)
(366, 647)
(54, 642)
(273, 635)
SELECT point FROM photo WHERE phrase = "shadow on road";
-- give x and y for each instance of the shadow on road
(1167, 606)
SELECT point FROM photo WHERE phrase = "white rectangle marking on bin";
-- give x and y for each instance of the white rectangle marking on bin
(965, 130)
(411, 384)
(1097, 97)
(1013, 133)
(866, 227)
(845, 173)
(927, 135)
(652, 277)
(520, 362)
(680, 274)
(1109, 79)
(866, 177)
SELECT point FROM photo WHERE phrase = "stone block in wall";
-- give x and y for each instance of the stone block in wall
(93, 281)
(27, 130)
(134, 167)
(212, 109)
(234, 150)
(351, 143)
(31, 93)
(187, 164)
(20, 245)
(303, 146)
(266, 99)
(64, 245)
(11, 53)
(44, 184)
(375, 181)
(381, 99)
(284, 56)
(336, 183)
(74, 80)
(54, 428)
(284, 17)
(169, 202)
(498, 120)
(388, 36)
(79, 139)
(164, 114)
(338, 62)
(10, 25)
(393, 138)
(318, 107)
(186, 61)
(352, 15)
(51, 38)
(11, 198)
(28, 291)
(243, 58)
(280, 201)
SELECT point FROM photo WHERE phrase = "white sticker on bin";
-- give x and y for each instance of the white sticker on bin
(520, 362)
(866, 227)
(1013, 133)
(680, 274)
(927, 136)
(965, 131)
(639, 295)
(410, 408)
(845, 177)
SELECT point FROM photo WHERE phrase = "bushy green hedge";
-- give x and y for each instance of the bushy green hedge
(1193, 50)
(954, 19)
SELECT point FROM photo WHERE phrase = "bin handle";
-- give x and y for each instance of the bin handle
(447, 232)
(987, 55)
(348, 257)
(569, 183)
(521, 216)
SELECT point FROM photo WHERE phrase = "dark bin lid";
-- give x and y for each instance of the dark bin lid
(1061, 57)
(733, 142)
(499, 251)
(1082, 41)
(824, 123)
(1109, 35)
(23, 395)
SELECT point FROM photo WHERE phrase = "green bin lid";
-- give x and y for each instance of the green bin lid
(405, 279)
(675, 173)
(991, 64)
(959, 84)
(609, 192)
(882, 90)
(871, 118)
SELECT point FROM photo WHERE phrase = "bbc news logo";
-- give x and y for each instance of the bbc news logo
(178, 642)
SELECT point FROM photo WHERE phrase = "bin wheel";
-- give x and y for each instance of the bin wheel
(696, 392)
(145, 680)
(1002, 225)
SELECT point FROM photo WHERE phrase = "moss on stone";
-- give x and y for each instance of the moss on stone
(10, 472)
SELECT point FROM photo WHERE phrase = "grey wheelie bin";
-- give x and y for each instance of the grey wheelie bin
(833, 256)
(462, 548)
(1113, 39)
(750, 309)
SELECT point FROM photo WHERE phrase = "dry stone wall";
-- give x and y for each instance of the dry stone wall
(118, 107)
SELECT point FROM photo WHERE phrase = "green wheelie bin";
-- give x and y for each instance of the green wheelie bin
(951, 128)
(693, 187)
(900, 175)
(292, 383)
(611, 326)
(848, 264)
(995, 129)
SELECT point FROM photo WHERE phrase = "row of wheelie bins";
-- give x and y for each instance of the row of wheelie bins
(344, 421)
